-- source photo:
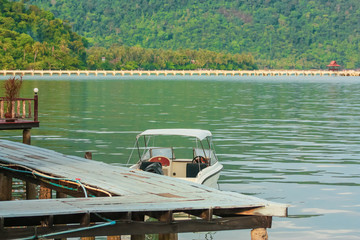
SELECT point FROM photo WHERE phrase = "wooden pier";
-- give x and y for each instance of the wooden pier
(24, 115)
(122, 73)
(111, 200)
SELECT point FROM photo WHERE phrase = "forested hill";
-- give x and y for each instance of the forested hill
(31, 38)
(278, 33)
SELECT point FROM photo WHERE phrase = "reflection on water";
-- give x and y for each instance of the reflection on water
(290, 140)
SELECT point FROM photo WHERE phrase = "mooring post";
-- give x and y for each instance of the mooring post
(5, 187)
(88, 155)
(259, 234)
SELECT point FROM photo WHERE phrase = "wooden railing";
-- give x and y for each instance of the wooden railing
(20, 108)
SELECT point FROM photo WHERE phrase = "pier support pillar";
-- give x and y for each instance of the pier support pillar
(259, 234)
(27, 136)
(30, 188)
(5, 187)
(60, 195)
(138, 217)
(31, 192)
(137, 237)
(167, 217)
(85, 222)
(169, 236)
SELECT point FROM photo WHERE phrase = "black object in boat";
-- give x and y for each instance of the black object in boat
(153, 167)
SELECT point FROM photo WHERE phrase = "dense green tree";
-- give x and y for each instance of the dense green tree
(158, 34)
(131, 58)
(278, 33)
(31, 38)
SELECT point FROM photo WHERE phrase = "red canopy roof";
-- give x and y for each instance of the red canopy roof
(333, 64)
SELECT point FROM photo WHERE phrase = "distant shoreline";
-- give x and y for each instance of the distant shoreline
(350, 73)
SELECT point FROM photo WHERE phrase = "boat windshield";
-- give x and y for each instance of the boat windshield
(152, 152)
(175, 147)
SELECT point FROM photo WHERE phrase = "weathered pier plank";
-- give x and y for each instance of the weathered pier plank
(133, 193)
(119, 181)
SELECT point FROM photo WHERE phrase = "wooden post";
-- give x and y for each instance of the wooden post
(88, 155)
(27, 136)
(23, 109)
(85, 221)
(31, 192)
(18, 108)
(60, 195)
(167, 217)
(5, 187)
(36, 105)
(45, 193)
(259, 234)
(1, 109)
(138, 217)
(30, 188)
(29, 104)
(137, 237)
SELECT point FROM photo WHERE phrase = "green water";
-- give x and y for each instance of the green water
(292, 140)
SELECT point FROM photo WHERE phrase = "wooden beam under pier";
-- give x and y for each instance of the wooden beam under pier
(135, 228)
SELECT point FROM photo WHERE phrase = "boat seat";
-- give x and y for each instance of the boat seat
(161, 159)
(192, 169)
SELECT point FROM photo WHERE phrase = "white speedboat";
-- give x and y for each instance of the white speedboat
(181, 153)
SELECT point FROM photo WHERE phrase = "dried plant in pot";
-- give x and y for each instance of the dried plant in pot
(12, 88)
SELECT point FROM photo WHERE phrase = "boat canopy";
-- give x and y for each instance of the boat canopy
(197, 133)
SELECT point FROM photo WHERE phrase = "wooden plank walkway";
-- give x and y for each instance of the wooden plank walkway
(133, 192)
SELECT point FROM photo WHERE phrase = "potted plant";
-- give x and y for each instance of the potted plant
(12, 88)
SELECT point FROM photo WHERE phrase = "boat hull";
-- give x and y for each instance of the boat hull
(210, 175)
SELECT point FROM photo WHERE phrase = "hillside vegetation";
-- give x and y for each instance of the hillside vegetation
(131, 58)
(31, 38)
(278, 33)
(34, 39)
